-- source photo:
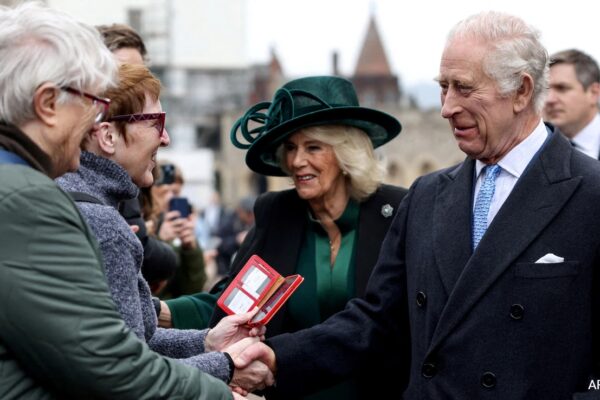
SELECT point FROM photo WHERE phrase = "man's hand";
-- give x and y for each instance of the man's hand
(237, 348)
(255, 376)
(256, 351)
(237, 396)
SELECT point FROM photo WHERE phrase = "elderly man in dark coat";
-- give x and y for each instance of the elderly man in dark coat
(491, 268)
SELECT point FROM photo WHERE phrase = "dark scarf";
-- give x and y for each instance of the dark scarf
(14, 140)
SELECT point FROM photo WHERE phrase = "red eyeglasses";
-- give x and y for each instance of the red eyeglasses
(131, 118)
(101, 103)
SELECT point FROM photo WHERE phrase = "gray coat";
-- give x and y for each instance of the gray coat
(122, 253)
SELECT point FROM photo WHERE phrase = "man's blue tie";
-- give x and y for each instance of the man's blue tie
(482, 204)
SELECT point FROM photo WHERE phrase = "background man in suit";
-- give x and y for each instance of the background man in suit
(572, 103)
(490, 269)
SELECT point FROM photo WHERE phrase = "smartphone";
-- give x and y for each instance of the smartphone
(167, 175)
(180, 204)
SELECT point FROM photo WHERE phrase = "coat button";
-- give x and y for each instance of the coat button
(488, 380)
(429, 370)
(517, 311)
(421, 299)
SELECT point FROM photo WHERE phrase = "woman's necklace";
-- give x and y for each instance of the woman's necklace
(334, 246)
(333, 243)
(333, 232)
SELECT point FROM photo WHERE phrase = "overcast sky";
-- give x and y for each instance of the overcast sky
(305, 32)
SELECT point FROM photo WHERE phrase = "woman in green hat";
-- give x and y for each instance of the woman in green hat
(329, 229)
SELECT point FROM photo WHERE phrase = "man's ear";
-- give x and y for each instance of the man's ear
(524, 94)
(106, 137)
(45, 100)
(594, 90)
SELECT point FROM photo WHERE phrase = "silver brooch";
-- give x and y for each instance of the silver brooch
(387, 210)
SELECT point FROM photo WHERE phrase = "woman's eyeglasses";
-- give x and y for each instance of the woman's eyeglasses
(101, 103)
(130, 118)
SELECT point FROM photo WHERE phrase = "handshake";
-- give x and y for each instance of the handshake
(254, 361)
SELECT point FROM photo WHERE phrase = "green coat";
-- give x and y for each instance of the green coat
(60, 333)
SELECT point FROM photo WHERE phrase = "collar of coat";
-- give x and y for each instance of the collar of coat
(14, 140)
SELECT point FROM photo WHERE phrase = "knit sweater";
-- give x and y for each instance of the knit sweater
(122, 254)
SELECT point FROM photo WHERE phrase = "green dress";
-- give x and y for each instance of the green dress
(326, 289)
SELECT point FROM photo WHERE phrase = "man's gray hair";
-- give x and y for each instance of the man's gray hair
(516, 49)
(39, 45)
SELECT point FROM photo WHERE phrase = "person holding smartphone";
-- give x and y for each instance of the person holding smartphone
(174, 223)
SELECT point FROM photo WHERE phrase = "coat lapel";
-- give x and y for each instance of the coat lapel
(372, 228)
(536, 199)
(369, 232)
(452, 223)
(288, 227)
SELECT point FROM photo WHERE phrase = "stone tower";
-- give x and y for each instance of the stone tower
(373, 79)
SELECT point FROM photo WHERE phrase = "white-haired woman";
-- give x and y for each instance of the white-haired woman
(329, 229)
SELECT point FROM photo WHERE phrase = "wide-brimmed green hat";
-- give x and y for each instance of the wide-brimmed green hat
(318, 100)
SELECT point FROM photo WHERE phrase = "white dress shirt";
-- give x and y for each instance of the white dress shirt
(513, 164)
(588, 140)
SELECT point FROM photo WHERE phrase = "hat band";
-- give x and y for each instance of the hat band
(280, 110)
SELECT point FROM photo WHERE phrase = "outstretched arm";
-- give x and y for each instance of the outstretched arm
(357, 336)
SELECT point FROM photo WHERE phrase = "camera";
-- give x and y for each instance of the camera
(167, 175)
